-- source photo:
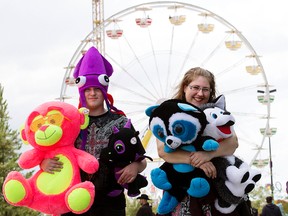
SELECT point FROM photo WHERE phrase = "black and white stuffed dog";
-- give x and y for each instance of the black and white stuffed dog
(235, 179)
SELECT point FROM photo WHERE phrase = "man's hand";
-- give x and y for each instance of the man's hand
(51, 165)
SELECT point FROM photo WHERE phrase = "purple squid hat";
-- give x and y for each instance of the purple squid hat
(93, 70)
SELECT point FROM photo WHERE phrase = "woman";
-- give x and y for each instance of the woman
(197, 87)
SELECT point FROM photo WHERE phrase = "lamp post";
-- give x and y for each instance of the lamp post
(269, 132)
(271, 168)
(267, 99)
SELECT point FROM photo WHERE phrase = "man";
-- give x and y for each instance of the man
(270, 209)
(145, 209)
(92, 78)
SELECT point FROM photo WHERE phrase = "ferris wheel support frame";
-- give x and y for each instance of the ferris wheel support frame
(97, 36)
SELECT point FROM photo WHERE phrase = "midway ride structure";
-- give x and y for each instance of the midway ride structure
(151, 46)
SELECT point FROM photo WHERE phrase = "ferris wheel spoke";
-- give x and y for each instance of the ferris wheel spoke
(244, 88)
(140, 84)
(213, 52)
(141, 120)
(255, 115)
(187, 55)
(230, 68)
(131, 91)
(135, 103)
(141, 66)
(253, 144)
(155, 63)
(169, 59)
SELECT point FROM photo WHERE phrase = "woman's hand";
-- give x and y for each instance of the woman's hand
(209, 169)
(128, 173)
(200, 157)
(51, 165)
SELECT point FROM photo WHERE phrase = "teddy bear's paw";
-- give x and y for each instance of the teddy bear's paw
(134, 187)
(160, 180)
(236, 175)
(224, 207)
(133, 194)
(141, 181)
(239, 190)
(245, 184)
(167, 204)
(199, 187)
(255, 175)
(16, 189)
(249, 188)
(80, 197)
(210, 145)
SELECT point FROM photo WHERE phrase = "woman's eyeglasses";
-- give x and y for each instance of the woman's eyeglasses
(196, 88)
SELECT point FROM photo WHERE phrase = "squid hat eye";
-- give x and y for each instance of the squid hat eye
(80, 81)
(104, 79)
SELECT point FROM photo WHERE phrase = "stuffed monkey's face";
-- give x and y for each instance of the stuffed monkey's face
(52, 124)
(47, 129)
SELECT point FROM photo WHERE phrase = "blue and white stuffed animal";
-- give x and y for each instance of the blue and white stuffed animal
(235, 179)
(179, 125)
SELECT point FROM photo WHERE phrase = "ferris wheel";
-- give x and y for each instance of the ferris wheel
(152, 45)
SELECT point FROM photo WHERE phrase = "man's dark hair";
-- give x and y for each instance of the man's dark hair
(269, 199)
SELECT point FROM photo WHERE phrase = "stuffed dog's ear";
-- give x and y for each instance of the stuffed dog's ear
(220, 102)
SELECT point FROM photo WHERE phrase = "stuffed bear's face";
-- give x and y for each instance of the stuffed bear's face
(176, 123)
(125, 145)
(53, 124)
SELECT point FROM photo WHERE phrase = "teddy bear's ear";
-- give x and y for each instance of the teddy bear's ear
(23, 135)
(150, 109)
(187, 107)
(84, 112)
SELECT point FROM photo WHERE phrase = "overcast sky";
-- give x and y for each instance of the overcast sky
(38, 39)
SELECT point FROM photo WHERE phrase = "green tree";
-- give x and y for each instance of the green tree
(132, 206)
(258, 198)
(10, 145)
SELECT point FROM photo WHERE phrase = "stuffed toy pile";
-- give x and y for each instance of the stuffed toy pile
(179, 125)
(235, 179)
(124, 147)
(51, 129)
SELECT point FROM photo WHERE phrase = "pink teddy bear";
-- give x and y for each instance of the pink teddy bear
(52, 129)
